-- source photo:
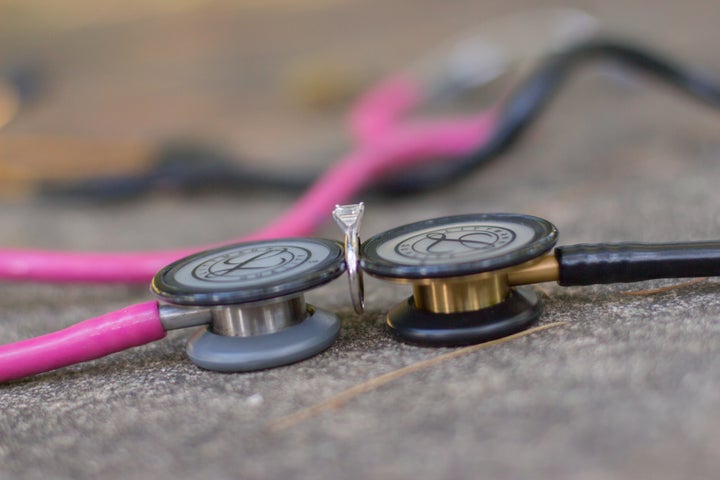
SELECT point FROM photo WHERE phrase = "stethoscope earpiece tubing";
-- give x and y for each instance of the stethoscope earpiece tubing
(525, 103)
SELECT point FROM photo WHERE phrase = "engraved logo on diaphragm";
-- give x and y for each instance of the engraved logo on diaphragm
(251, 264)
(455, 242)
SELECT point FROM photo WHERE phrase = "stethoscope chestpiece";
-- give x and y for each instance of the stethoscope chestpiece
(458, 267)
(254, 291)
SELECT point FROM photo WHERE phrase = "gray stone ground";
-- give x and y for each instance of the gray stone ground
(628, 387)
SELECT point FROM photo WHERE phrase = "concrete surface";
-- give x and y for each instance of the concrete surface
(627, 387)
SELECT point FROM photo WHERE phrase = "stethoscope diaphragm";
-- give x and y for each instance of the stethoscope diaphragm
(253, 291)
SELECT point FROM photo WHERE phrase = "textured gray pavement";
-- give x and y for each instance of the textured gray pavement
(627, 387)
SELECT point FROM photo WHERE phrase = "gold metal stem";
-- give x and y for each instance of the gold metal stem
(455, 296)
(474, 292)
(545, 269)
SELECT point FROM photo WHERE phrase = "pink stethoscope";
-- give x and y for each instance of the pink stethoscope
(387, 141)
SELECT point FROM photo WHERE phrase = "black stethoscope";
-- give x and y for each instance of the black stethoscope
(468, 272)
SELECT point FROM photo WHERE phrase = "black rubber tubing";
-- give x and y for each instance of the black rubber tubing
(589, 264)
(188, 166)
(530, 98)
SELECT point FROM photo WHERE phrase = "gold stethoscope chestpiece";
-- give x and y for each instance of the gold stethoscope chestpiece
(253, 295)
(459, 267)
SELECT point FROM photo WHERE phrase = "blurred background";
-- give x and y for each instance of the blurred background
(269, 82)
(112, 89)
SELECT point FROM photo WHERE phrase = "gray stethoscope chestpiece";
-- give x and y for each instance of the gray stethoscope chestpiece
(254, 292)
(458, 267)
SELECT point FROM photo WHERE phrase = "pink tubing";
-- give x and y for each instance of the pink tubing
(382, 107)
(94, 338)
(385, 145)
